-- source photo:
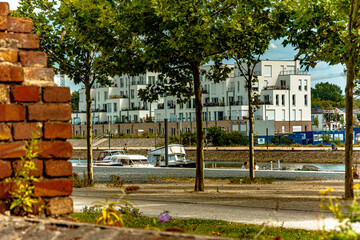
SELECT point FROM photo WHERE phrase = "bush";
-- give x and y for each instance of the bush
(221, 138)
(187, 136)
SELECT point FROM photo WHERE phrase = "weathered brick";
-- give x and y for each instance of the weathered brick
(49, 112)
(11, 73)
(16, 165)
(5, 169)
(21, 93)
(12, 150)
(56, 94)
(26, 40)
(4, 8)
(12, 112)
(57, 130)
(33, 59)
(34, 74)
(4, 94)
(55, 149)
(59, 206)
(19, 25)
(58, 168)
(22, 131)
(5, 132)
(53, 188)
(8, 55)
(5, 187)
(3, 23)
(9, 43)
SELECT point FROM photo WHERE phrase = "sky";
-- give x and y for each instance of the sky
(321, 73)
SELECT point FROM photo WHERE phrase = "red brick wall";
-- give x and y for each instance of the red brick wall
(29, 97)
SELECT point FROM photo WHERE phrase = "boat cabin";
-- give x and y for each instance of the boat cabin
(106, 153)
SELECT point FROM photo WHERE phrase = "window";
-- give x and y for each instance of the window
(283, 129)
(293, 99)
(305, 85)
(115, 107)
(266, 99)
(277, 99)
(283, 115)
(173, 131)
(151, 80)
(121, 82)
(136, 118)
(132, 94)
(267, 71)
(305, 100)
(294, 115)
(283, 100)
(127, 131)
(282, 69)
(105, 95)
(265, 84)
(109, 107)
(283, 84)
(300, 115)
(98, 96)
(299, 84)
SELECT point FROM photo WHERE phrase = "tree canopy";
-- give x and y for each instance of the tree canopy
(327, 91)
(328, 30)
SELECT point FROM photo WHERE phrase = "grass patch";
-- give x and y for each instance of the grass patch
(248, 180)
(204, 227)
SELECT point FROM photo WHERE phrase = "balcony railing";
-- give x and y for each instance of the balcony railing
(293, 72)
(214, 104)
(118, 96)
(276, 88)
(161, 106)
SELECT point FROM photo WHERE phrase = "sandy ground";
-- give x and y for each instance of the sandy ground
(293, 204)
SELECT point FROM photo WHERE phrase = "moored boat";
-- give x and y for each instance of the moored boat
(176, 157)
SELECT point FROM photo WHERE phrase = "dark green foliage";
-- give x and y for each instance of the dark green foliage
(287, 140)
(75, 101)
(219, 137)
(188, 138)
(327, 91)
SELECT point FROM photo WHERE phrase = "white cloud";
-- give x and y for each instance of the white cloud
(273, 46)
(14, 4)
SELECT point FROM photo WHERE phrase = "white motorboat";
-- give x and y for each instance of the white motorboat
(176, 157)
(125, 161)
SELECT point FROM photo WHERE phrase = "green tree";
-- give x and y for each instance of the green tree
(180, 36)
(316, 122)
(247, 35)
(73, 35)
(327, 91)
(74, 100)
(328, 30)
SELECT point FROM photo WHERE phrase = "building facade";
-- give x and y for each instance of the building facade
(284, 91)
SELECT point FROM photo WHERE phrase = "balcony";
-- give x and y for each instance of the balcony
(118, 96)
(293, 72)
(99, 110)
(134, 109)
(214, 104)
(276, 88)
(161, 106)
(138, 82)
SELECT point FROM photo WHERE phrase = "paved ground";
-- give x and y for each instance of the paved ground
(293, 204)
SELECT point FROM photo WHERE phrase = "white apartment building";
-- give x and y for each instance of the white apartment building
(284, 90)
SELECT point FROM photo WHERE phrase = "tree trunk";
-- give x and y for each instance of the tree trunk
(89, 134)
(251, 126)
(199, 179)
(349, 180)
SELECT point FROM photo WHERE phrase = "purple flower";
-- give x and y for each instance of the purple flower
(163, 218)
